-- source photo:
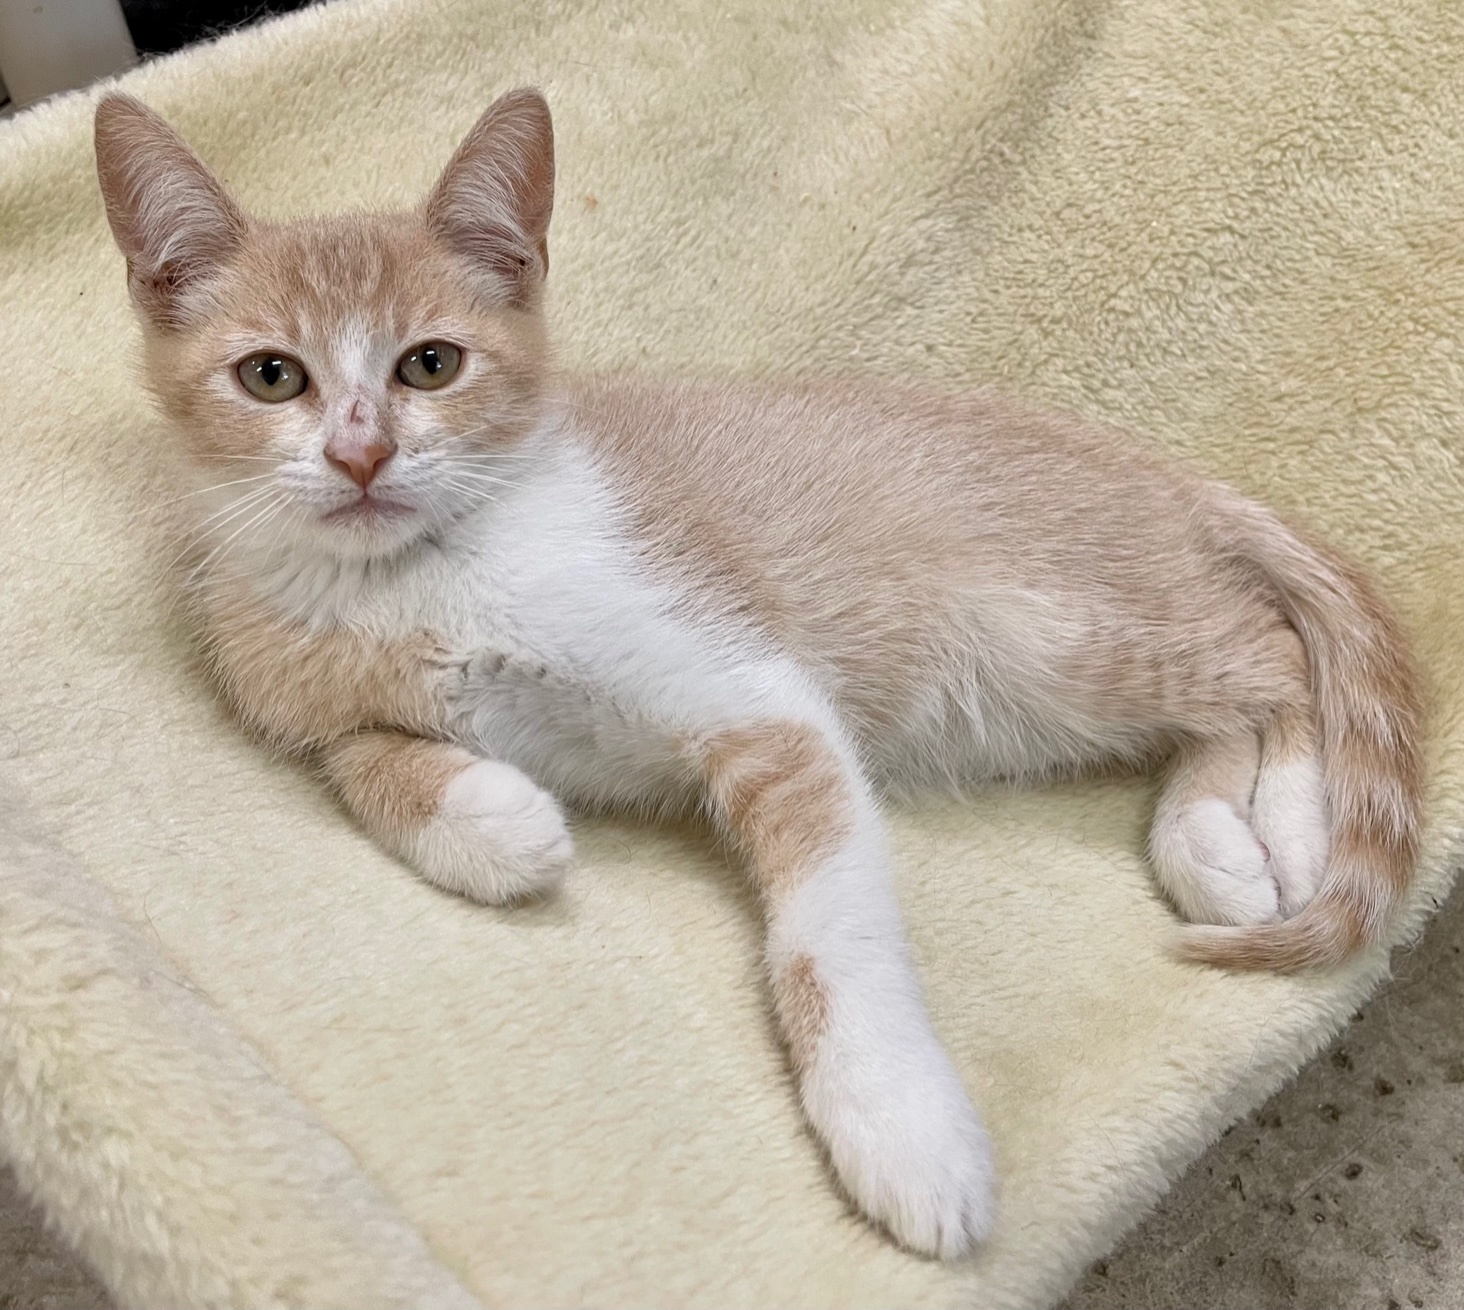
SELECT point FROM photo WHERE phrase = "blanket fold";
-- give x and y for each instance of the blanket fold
(246, 1058)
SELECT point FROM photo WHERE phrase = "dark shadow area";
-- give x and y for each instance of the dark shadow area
(37, 1271)
(161, 26)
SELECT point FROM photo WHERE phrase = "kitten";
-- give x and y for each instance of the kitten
(467, 588)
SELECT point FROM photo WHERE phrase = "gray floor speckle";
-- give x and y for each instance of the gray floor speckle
(1344, 1192)
(36, 1271)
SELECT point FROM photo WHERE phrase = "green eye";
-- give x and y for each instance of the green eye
(272, 377)
(431, 365)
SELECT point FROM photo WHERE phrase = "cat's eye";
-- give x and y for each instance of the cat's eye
(431, 365)
(272, 377)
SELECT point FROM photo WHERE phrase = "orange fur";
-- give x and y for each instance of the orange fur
(780, 793)
(393, 783)
(300, 689)
(802, 1003)
(1367, 710)
(923, 498)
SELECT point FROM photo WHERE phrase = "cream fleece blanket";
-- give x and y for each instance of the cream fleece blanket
(247, 1059)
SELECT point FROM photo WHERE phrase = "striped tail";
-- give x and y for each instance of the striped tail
(1367, 704)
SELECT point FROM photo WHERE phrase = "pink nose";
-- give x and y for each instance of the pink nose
(360, 461)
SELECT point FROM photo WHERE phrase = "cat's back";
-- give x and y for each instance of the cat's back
(822, 478)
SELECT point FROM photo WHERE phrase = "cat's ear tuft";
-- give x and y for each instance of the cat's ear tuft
(170, 216)
(496, 195)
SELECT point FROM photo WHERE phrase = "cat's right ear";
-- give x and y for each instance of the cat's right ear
(496, 195)
(170, 216)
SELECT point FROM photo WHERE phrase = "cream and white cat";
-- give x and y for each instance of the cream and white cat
(472, 590)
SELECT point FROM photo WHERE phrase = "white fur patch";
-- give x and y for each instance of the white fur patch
(495, 838)
(1290, 815)
(1211, 865)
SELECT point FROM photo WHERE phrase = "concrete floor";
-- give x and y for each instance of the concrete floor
(36, 1271)
(1345, 1192)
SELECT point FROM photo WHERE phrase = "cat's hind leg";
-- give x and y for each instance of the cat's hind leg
(1289, 812)
(472, 826)
(1208, 858)
(1242, 833)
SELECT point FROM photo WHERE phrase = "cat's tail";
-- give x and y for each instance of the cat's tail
(1367, 713)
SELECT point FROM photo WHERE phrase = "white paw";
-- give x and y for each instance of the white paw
(1290, 815)
(1212, 866)
(906, 1142)
(496, 837)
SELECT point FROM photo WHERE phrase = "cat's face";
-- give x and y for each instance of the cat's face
(348, 372)
(347, 385)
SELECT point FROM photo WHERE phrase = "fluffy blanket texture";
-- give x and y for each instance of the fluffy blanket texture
(247, 1059)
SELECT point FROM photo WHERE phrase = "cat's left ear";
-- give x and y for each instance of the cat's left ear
(495, 197)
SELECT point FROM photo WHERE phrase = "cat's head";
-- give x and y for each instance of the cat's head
(348, 384)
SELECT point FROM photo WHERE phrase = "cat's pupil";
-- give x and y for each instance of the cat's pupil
(270, 370)
(430, 360)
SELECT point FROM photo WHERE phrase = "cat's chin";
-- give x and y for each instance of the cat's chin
(368, 510)
(373, 530)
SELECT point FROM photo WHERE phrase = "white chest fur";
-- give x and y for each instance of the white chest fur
(579, 666)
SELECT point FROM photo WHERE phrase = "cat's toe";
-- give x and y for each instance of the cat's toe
(931, 1182)
(943, 1205)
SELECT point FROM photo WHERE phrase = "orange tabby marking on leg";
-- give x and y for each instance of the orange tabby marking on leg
(803, 1008)
(780, 791)
(392, 780)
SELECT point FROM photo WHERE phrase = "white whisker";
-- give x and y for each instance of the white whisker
(227, 512)
(473, 493)
(218, 486)
(270, 509)
(482, 479)
(233, 510)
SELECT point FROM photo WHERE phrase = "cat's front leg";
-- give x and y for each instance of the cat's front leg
(875, 1082)
(472, 826)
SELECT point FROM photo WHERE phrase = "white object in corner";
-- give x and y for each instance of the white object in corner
(57, 45)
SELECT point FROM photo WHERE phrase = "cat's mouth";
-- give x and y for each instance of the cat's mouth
(368, 508)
